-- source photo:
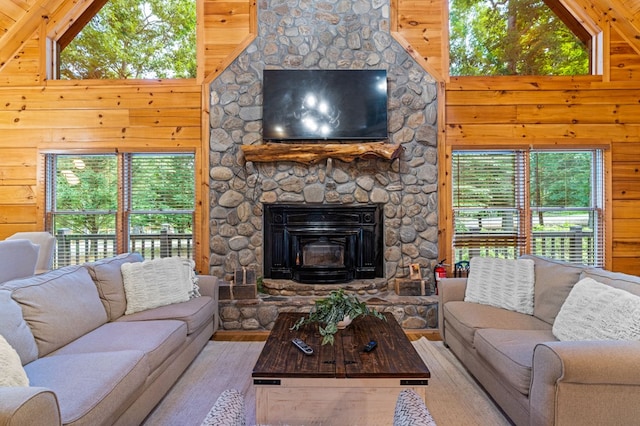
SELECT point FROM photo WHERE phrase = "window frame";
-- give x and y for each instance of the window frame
(124, 194)
(599, 189)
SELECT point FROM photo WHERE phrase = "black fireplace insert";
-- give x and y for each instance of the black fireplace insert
(323, 244)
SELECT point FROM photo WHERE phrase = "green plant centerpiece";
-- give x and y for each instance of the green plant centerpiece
(336, 308)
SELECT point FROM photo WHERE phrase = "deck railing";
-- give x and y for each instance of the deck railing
(573, 246)
(75, 249)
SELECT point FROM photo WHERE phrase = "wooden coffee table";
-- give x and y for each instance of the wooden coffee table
(339, 384)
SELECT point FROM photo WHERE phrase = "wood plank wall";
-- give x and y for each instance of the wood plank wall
(561, 113)
(36, 115)
(90, 117)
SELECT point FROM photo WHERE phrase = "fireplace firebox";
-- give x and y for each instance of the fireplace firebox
(323, 244)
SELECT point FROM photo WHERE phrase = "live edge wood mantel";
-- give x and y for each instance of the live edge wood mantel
(312, 153)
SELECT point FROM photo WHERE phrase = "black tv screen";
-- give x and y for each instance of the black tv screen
(324, 105)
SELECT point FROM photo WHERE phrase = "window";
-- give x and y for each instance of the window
(130, 39)
(548, 203)
(516, 37)
(99, 205)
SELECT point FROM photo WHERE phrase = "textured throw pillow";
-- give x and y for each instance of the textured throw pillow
(227, 411)
(158, 282)
(411, 411)
(596, 311)
(11, 371)
(504, 283)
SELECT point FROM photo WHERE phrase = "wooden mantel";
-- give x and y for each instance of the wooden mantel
(312, 153)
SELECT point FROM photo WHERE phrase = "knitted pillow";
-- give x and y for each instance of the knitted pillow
(504, 283)
(227, 411)
(596, 311)
(411, 411)
(11, 371)
(158, 282)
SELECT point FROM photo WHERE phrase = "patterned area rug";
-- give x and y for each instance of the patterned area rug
(453, 397)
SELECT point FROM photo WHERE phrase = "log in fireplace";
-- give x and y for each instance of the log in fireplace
(323, 244)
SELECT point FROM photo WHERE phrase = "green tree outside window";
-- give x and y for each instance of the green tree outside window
(512, 37)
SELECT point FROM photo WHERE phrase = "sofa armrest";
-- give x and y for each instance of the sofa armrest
(210, 286)
(449, 289)
(452, 289)
(33, 406)
(585, 382)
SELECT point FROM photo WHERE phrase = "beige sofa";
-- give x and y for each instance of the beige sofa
(533, 377)
(87, 362)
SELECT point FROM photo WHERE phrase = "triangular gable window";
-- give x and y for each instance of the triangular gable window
(516, 37)
(131, 39)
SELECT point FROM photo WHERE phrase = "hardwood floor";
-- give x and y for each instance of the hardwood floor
(261, 335)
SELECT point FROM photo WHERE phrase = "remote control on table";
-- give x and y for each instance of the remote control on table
(370, 346)
(302, 346)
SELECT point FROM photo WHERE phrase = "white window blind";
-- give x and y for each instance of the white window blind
(98, 205)
(567, 215)
(488, 202)
(549, 203)
(160, 201)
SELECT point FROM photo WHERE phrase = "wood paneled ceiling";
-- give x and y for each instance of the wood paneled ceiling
(19, 19)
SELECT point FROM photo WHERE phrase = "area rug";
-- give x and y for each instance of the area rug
(453, 397)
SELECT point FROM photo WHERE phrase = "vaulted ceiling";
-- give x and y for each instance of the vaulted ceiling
(20, 19)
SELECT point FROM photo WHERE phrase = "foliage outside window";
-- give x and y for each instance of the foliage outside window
(99, 205)
(512, 37)
(135, 39)
(558, 214)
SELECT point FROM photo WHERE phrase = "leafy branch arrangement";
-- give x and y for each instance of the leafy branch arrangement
(335, 308)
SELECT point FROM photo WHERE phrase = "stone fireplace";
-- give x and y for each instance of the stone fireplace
(305, 34)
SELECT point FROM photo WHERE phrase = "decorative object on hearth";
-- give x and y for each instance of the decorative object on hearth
(415, 272)
(329, 312)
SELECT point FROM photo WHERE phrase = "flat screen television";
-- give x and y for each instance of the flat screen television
(324, 105)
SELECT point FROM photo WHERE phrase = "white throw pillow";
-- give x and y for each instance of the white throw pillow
(504, 283)
(158, 282)
(596, 311)
(11, 371)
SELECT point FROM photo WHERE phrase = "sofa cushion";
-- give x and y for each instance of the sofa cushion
(510, 353)
(107, 276)
(59, 306)
(91, 388)
(158, 282)
(18, 259)
(505, 283)
(11, 371)
(630, 283)
(156, 339)
(14, 328)
(595, 311)
(195, 313)
(554, 281)
(466, 318)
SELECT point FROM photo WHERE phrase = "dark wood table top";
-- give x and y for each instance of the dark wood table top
(394, 356)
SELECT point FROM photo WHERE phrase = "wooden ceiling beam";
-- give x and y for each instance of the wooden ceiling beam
(23, 29)
(571, 21)
(76, 25)
(616, 14)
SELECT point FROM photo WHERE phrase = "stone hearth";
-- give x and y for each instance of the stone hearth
(411, 312)
(373, 286)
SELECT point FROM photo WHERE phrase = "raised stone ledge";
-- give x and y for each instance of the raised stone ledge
(292, 288)
(411, 312)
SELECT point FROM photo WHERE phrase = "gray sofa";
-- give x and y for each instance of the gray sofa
(87, 362)
(533, 377)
